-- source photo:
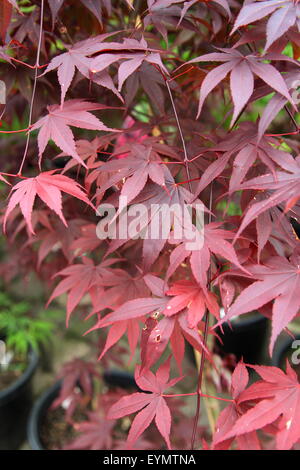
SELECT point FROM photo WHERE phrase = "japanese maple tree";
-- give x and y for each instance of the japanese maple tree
(148, 106)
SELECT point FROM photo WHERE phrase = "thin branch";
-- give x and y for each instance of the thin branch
(196, 393)
(292, 118)
(15, 132)
(201, 368)
(34, 85)
(28, 65)
(181, 136)
(285, 133)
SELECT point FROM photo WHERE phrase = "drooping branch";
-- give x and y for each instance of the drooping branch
(34, 86)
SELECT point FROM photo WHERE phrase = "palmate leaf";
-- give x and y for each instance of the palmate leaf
(190, 296)
(163, 206)
(48, 186)
(284, 14)
(276, 103)
(229, 416)
(56, 124)
(127, 318)
(58, 236)
(284, 187)
(125, 290)
(77, 57)
(152, 405)
(141, 162)
(276, 397)
(173, 327)
(96, 68)
(279, 280)
(243, 147)
(83, 278)
(214, 241)
(95, 434)
(74, 373)
(151, 81)
(242, 70)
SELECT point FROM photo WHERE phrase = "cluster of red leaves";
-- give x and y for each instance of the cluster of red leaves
(157, 291)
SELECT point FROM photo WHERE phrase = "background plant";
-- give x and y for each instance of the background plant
(20, 328)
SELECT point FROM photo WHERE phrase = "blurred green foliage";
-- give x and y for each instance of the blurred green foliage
(22, 329)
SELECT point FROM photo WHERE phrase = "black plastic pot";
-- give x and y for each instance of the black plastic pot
(284, 350)
(15, 403)
(111, 377)
(119, 378)
(37, 414)
(246, 338)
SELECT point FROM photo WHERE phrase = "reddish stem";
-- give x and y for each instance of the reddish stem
(28, 65)
(15, 132)
(205, 336)
(13, 175)
(169, 163)
(188, 181)
(182, 73)
(196, 393)
(286, 133)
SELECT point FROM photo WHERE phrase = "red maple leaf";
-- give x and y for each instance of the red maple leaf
(76, 373)
(58, 237)
(189, 296)
(277, 397)
(56, 124)
(48, 187)
(243, 147)
(95, 434)
(142, 162)
(155, 334)
(278, 279)
(282, 187)
(76, 57)
(81, 279)
(229, 416)
(163, 207)
(214, 241)
(242, 70)
(152, 405)
(285, 16)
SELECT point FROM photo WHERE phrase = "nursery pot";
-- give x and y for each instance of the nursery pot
(111, 377)
(245, 338)
(15, 403)
(37, 415)
(288, 348)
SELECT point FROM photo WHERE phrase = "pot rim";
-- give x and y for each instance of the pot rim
(8, 393)
(36, 414)
(43, 403)
(255, 319)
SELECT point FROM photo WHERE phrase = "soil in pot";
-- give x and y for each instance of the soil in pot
(55, 431)
(48, 428)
